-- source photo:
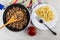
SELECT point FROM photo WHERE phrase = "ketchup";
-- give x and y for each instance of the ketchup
(32, 31)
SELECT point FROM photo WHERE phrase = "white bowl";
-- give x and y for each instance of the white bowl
(49, 24)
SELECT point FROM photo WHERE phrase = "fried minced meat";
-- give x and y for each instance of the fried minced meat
(18, 24)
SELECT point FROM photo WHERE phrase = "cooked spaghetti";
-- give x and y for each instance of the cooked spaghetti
(46, 13)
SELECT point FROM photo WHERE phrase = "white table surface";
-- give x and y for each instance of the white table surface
(5, 34)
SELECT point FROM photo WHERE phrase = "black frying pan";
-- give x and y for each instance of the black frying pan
(10, 7)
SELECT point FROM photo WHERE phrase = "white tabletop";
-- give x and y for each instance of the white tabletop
(5, 34)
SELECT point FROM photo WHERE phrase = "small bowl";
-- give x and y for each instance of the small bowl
(10, 7)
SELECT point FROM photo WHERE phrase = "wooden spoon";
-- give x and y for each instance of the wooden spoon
(12, 19)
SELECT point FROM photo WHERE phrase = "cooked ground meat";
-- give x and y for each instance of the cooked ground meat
(18, 24)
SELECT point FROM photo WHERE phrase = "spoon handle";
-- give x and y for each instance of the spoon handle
(50, 29)
(3, 26)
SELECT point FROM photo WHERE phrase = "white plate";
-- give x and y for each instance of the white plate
(39, 25)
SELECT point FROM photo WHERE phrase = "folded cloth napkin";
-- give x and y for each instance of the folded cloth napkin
(1, 6)
(27, 3)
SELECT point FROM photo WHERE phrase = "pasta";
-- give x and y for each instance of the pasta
(46, 13)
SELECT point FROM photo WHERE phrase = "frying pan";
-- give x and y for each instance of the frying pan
(10, 7)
